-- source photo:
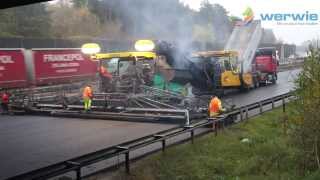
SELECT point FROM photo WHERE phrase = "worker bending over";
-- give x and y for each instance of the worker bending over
(215, 107)
(87, 97)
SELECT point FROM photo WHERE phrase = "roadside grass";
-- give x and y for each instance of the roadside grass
(266, 155)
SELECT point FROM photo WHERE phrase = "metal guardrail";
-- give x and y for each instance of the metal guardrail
(287, 61)
(76, 164)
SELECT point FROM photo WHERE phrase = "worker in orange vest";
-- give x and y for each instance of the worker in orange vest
(106, 78)
(87, 96)
(215, 107)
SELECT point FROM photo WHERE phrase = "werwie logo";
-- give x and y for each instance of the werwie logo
(305, 18)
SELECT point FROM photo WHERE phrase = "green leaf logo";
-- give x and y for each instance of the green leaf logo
(248, 15)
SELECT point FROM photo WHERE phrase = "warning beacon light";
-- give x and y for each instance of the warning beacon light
(144, 45)
(90, 48)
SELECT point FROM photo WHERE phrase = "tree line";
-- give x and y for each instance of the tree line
(119, 20)
(112, 19)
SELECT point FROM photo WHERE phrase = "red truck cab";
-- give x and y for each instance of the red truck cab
(266, 65)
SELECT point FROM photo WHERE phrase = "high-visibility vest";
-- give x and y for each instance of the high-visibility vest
(87, 92)
(215, 105)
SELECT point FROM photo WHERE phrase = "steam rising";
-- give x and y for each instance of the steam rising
(171, 21)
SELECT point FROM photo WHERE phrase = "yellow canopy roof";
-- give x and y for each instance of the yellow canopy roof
(146, 55)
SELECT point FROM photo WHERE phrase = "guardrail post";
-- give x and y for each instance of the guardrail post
(127, 162)
(127, 158)
(215, 128)
(163, 145)
(192, 136)
(78, 171)
(284, 104)
(187, 117)
(272, 101)
(241, 114)
(247, 113)
(191, 132)
(260, 105)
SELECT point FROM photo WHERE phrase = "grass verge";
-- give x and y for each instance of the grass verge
(265, 154)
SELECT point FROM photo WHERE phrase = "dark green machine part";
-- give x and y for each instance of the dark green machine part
(160, 83)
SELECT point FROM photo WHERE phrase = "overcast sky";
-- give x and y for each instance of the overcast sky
(289, 33)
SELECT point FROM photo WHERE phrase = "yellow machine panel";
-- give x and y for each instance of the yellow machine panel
(230, 79)
(146, 55)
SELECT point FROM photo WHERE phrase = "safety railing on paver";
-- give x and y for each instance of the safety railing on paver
(77, 164)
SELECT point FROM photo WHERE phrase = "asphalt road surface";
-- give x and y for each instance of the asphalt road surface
(31, 142)
(284, 84)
